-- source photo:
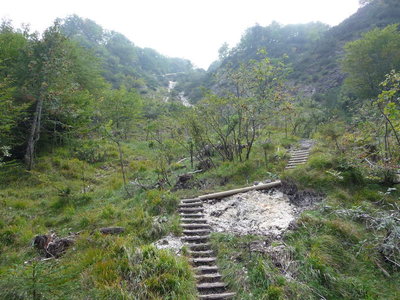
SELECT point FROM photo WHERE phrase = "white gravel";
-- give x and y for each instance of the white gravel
(170, 242)
(251, 213)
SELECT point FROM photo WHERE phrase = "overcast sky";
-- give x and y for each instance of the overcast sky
(180, 28)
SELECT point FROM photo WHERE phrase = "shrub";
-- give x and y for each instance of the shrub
(274, 293)
(320, 161)
(159, 202)
(90, 151)
(156, 274)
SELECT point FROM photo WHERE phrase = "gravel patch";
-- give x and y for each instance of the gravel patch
(170, 242)
(254, 213)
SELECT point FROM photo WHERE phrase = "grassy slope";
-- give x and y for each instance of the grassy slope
(332, 255)
(97, 267)
(328, 254)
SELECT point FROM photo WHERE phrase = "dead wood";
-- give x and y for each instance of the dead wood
(112, 230)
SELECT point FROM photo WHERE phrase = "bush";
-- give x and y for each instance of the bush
(91, 151)
(159, 202)
(351, 174)
(156, 274)
(320, 161)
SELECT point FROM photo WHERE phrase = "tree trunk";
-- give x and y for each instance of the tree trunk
(386, 142)
(191, 154)
(382, 111)
(121, 161)
(251, 141)
(34, 134)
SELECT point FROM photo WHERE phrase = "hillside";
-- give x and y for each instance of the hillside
(313, 50)
(122, 61)
(113, 187)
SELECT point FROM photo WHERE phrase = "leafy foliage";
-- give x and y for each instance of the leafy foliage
(123, 63)
(369, 59)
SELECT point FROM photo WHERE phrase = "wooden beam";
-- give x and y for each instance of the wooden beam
(264, 186)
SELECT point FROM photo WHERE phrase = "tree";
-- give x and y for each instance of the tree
(11, 111)
(10, 115)
(369, 59)
(58, 82)
(388, 103)
(120, 110)
(231, 123)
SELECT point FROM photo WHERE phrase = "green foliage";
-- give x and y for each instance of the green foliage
(160, 203)
(121, 109)
(122, 62)
(370, 58)
(388, 102)
(38, 280)
(230, 125)
(154, 274)
(342, 249)
(91, 151)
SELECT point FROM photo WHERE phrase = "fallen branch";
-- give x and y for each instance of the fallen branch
(182, 160)
(144, 186)
(194, 172)
(386, 273)
(112, 230)
(393, 262)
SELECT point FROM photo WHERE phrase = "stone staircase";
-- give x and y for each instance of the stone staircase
(196, 235)
(297, 157)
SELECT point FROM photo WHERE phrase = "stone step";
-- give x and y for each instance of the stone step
(196, 232)
(208, 277)
(203, 253)
(211, 286)
(194, 221)
(196, 238)
(206, 269)
(199, 247)
(194, 226)
(292, 166)
(299, 153)
(296, 160)
(191, 210)
(190, 200)
(187, 215)
(193, 204)
(217, 296)
(203, 261)
(296, 164)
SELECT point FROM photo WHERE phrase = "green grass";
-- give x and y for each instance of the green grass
(328, 254)
(67, 194)
(331, 255)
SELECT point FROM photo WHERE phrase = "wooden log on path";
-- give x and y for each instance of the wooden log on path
(218, 195)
